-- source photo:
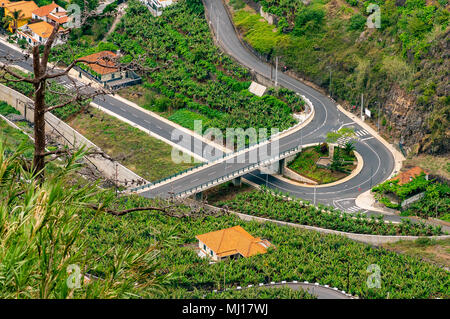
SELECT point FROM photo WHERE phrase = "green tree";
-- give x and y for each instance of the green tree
(349, 147)
(308, 20)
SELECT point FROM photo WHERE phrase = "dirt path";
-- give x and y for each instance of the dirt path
(120, 12)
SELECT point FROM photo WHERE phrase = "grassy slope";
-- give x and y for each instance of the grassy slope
(431, 250)
(12, 136)
(143, 154)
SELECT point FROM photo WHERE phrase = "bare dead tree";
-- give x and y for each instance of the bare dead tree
(41, 75)
(44, 72)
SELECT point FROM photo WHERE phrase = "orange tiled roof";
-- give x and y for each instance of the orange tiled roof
(407, 176)
(44, 10)
(42, 28)
(26, 7)
(4, 3)
(106, 65)
(233, 240)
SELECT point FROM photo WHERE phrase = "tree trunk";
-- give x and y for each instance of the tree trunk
(39, 129)
(39, 117)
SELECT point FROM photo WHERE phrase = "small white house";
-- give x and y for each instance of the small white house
(157, 7)
(52, 14)
(38, 33)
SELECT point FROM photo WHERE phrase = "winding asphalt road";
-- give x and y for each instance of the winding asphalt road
(378, 161)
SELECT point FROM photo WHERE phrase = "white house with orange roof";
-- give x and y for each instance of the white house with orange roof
(51, 13)
(38, 33)
(233, 242)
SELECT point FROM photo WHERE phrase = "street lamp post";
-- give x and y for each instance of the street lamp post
(276, 71)
(379, 115)
(314, 195)
(331, 91)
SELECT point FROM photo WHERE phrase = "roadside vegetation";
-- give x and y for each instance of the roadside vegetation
(401, 62)
(151, 253)
(264, 203)
(194, 80)
(435, 203)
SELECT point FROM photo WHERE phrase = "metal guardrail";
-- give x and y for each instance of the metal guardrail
(308, 107)
(238, 172)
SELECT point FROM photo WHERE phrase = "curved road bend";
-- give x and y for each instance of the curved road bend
(378, 161)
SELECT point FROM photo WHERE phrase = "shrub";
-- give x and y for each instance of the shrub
(357, 22)
(324, 148)
(308, 20)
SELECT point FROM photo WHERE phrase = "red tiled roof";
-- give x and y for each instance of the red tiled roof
(60, 20)
(101, 62)
(45, 10)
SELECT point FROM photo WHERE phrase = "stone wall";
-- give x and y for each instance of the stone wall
(297, 177)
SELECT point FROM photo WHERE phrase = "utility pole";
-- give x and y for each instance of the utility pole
(116, 180)
(271, 70)
(362, 106)
(276, 71)
(314, 195)
(379, 115)
(224, 265)
(217, 28)
(331, 91)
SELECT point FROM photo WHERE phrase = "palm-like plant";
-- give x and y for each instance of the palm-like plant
(349, 147)
(12, 20)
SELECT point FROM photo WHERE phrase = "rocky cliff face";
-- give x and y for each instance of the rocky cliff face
(403, 116)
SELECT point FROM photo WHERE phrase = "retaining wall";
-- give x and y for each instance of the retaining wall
(66, 135)
(364, 238)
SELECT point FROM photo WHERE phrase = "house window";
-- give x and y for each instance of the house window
(204, 247)
(212, 253)
(40, 38)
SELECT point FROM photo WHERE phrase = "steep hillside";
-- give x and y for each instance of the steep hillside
(403, 64)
